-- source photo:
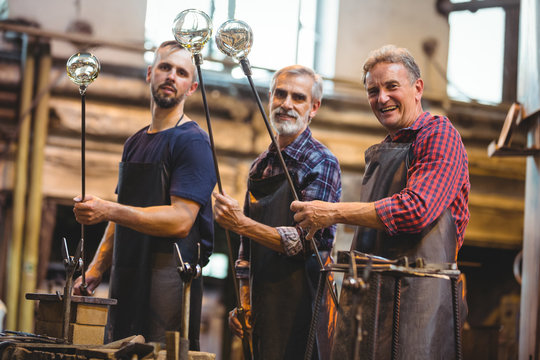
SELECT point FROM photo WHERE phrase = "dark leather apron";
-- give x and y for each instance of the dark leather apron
(426, 329)
(283, 287)
(144, 278)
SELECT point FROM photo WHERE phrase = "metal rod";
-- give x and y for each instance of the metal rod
(315, 317)
(67, 305)
(198, 61)
(395, 321)
(247, 71)
(83, 180)
(184, 331)
(375, 315)
(359, 320)
(246, 341)
(457, 320)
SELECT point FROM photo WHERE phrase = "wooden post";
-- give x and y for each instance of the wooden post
(529, 96)
(19, 195)
(530, 285)
(35, 196)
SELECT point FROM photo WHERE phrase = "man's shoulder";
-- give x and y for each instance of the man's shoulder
(317, 150)
(190, 131)
(436, 124)
(136, 136)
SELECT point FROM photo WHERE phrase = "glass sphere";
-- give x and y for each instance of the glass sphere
(83, 68)
(192, 29)
(234, 38)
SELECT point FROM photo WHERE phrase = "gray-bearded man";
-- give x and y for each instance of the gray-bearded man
(283, 272)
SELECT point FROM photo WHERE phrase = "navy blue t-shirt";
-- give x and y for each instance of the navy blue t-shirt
(185, 151)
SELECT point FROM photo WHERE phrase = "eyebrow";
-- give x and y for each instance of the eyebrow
(294, 93)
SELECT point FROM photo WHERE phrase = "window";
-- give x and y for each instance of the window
(284, 31)
(482, 56)
(475, 55)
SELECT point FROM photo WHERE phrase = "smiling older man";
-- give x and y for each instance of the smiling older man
(281, 267)
(413, 202)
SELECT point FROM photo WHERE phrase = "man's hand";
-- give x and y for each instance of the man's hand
(313, 215)
(91, 211)
(235, 325)
(227, 212)
(93, 279)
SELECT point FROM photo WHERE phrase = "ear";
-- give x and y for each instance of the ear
(148, 73)
(419, 89)
(192, 88)
(314, 108)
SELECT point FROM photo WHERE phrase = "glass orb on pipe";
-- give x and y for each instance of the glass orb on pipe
(234, 38)
(192, 29)
(83, 68)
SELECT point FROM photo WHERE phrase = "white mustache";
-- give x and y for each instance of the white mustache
(281, 111)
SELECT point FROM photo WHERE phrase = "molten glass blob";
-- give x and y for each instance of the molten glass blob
(234, 38)
(83, 68)
(192, 29)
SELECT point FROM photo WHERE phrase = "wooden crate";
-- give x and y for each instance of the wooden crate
(88, 317)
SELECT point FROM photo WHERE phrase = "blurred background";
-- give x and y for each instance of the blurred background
(468, 55)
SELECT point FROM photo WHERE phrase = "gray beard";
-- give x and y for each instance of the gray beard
(286, 128)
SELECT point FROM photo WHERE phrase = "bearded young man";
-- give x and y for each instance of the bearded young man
(281, 267)
(164, 197)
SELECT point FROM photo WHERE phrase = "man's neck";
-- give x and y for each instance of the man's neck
(285, 140)
(163, 119)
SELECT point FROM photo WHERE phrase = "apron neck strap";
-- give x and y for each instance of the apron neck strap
(179, 120)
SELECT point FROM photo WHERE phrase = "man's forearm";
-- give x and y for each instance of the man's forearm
(314, 215)
(103, 258)
(174, 220)
(356, 213)
(162, 220)
(263, 234)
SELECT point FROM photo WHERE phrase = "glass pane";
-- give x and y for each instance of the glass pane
(284, 31)
(475, 56)
(275, 27)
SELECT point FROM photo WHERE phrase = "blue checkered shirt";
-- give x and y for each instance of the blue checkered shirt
(317, 176)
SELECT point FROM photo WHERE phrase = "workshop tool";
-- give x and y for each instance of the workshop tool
(71, 264)
(192, 29)
(83, 68)
(398, 268)
(187, 273)
(235, 38)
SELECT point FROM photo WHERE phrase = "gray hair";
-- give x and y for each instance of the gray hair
(394, 55)
(300, 70)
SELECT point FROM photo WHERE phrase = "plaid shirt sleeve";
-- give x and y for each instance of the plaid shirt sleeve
(326, 186)
(323, 182)
(433, 181)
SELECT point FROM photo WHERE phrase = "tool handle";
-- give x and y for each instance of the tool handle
(247, 345)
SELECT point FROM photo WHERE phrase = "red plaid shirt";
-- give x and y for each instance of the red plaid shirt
(438, 178)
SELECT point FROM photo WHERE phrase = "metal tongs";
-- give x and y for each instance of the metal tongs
(71, 264)
(187, 273)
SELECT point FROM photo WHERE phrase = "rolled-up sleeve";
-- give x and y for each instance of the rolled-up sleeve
(290, 239)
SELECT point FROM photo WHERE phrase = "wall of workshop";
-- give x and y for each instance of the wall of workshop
(118, 21)
(117, 106)
(369, 24)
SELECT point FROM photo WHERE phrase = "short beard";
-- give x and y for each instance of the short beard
(165, 102)
(287, 128)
